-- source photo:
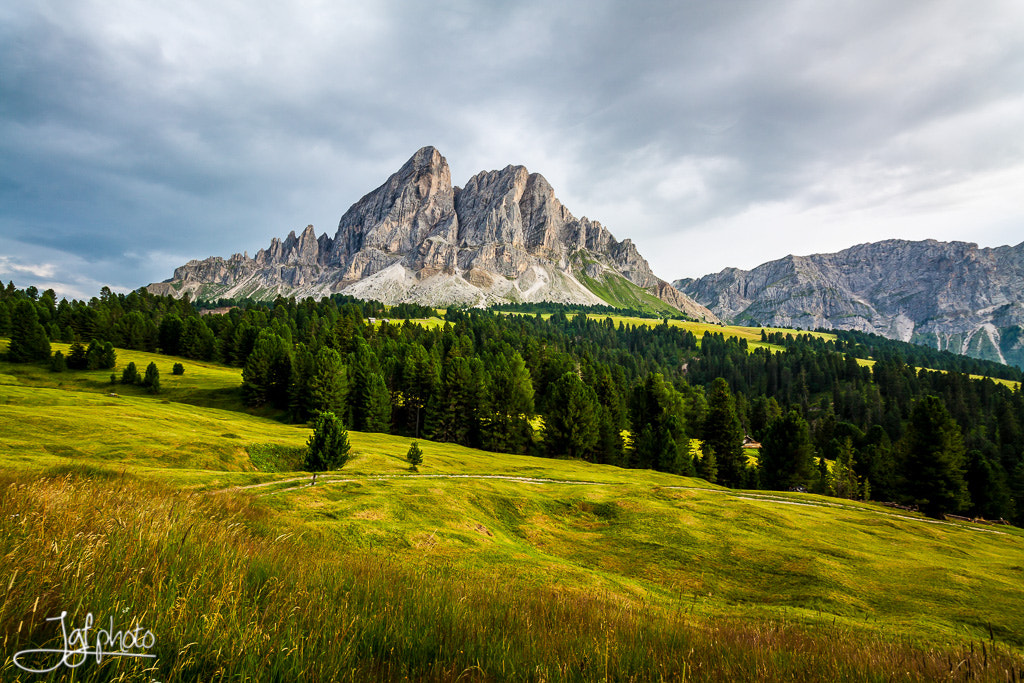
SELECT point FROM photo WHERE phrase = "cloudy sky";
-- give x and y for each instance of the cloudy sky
(135, 136)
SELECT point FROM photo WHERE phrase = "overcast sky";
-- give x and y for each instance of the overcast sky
(135, 136)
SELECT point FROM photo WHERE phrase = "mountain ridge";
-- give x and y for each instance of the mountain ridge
(503, 237)
(952, 296)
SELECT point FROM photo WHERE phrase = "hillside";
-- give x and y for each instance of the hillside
(947, 295)
(416, 238)
(484, 566)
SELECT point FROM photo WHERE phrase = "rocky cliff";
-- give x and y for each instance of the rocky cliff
(504, 237)
(948, 295)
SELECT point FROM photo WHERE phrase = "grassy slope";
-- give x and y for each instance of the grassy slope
(656, 548)
(617, 291)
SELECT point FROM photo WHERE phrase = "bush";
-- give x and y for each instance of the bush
(178, 369)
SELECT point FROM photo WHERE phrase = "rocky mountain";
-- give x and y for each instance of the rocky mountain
(947, 295)
(504, 237)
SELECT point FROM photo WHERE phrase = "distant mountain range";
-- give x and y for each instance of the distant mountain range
(504, 237)
(948, 295)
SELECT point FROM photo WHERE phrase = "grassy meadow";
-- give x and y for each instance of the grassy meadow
(181, 512)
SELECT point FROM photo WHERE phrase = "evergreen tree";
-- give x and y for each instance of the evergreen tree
(932, 473)
(420, 384)
(178, 369)
(707, 465)
(299, 404)
(169, 334)
(463, 401)
(76, 357)
(511, 399)
(987, 486)
(378, 412)
(842, 481)
(29, 342)
(722, 432)
(328, 447)
(107, 356)
(57, 362)
(414, 456)
(267, 371)
(570, 426)
(657, 417)
(787, 454)
(197, 340)
(328, 384)
(152, 379)
(94, 356)
(130, 375)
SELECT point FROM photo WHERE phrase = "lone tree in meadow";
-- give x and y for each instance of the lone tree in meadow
(328, 448)
(414, 456)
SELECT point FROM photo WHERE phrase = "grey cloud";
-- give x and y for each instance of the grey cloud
(131, 135)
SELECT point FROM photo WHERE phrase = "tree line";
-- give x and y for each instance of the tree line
(574, 386)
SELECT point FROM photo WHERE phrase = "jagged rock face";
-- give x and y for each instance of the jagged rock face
(949, 295)
(503, 237)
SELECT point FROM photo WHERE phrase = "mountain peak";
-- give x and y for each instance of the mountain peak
(505, 236)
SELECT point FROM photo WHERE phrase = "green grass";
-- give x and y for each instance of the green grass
(133, 506)
(617, 291)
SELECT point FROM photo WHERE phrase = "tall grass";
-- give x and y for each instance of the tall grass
(232, 592)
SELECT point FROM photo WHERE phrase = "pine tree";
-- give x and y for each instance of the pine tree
(707, 465)
(57, 362)
(152, 379)
(328, 383)
(328, 447)
(378, 408)
(76, 357)
(722, 432)
(130, 375)
(511, 399)
(29, 342)
(414, 456)
(932, 475)
(267, 371)
(570, 426)
(787, 454)
(842, 481)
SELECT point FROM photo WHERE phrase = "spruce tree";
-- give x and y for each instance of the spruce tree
(722, 432)
(787, 454)
(328, 447)
(932, 475)
(29, 342)
(328, 383)
(570, 426)
(267, 372)
(76, 357)
(57, 362)
(378, 407)
(130, 375)
(152, 379)
(508, 429)
(414, 456)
